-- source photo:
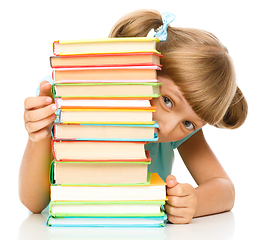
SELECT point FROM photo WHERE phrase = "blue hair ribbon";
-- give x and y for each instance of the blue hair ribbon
(161, 32)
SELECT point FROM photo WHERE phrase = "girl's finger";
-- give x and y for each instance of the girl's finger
(36, 126)
(37, 102)
(39, 114)
(45, 89)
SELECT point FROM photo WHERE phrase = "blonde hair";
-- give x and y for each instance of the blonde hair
(199, 65)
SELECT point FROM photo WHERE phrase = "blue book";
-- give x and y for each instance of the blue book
(106, 221)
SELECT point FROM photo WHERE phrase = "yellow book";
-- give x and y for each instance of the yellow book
(105, 45)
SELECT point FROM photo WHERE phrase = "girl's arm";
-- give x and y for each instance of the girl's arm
(34, 187)
(215, 192)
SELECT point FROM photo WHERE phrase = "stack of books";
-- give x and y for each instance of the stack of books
(99, 176)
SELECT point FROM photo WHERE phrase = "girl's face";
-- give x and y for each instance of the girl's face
(174, 115)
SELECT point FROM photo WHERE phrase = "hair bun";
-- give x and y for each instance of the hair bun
(236, 113)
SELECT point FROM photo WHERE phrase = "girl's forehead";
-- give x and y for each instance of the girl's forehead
(169, 84)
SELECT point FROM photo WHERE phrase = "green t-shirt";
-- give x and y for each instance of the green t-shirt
(162, 156)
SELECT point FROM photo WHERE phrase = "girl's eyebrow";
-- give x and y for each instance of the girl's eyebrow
(177, 94)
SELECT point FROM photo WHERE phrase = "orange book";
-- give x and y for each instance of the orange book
(106, 74)
(101, 60)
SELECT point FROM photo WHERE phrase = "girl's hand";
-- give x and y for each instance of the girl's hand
(182, 201)
(40, 113)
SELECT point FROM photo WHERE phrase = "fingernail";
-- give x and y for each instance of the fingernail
(171, 182)
(53, 107)
(46, 84)
(49, 100)
(53, 117)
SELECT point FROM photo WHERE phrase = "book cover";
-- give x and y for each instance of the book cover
(155, 191)
(105, 132)
(99, 151)
(105, 116)
(112, 74)
(105, 60)
(97, 102)
(89, 173)
(106, 221)
(107, 209)
(105, 45)
(106, 90)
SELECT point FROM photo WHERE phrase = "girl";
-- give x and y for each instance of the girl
(199, 87)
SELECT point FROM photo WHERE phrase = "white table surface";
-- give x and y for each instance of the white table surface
(220, 226)
(235, 224)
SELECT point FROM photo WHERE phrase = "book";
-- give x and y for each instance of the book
(106, 90)
(101, 60)
(155, 191)
(106, 221)
(106, 116)
(105, 45)
(99, 151)
(99, 176)
(94, 102)
(87, 173)
(107, 74)
(105, 132)
(107, 209)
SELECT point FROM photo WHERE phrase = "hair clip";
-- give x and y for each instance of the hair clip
(161, 32)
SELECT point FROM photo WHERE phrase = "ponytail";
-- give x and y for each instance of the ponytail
(137, 24)
(236, 113)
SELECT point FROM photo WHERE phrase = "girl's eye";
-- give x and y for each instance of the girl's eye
(189, 125)
(167, 102)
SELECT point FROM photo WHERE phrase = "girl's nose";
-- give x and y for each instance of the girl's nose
(167, 126)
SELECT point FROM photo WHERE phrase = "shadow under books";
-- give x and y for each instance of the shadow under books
(219, 226)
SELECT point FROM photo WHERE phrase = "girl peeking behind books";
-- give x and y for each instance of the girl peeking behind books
(198, 88)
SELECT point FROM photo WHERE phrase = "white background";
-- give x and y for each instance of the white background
(28, 29)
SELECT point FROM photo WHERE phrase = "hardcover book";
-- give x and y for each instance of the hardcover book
(107, 90)
(86, 173)
(155, 191)
(94, 102)
(106, 221)
(99, 151)
(105, 132)
(104, 60)
(105, 45)
(107, 74)
(107, 209)
(106, 116)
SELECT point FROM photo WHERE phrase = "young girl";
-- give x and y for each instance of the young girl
(199, 87)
